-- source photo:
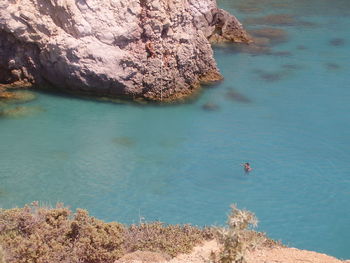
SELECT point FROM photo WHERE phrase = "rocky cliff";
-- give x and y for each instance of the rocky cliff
(152, 49)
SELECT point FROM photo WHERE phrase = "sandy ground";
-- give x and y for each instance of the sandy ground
(289, 255)
(201, 254)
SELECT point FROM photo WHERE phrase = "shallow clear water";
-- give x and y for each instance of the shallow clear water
(181, 164)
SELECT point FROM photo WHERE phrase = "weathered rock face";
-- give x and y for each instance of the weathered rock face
(155, 49)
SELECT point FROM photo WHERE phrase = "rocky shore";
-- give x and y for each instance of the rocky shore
(155, 50)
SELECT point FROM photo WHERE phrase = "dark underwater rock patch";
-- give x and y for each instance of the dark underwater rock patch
(233, 95)
(332, 66)
(209, 106)
(291, 66)
(248, 9)
(337, 42)
(270, 76)
(262, 41)
(278, 20)
(20, 111)
(258, 6)
(275, 35)
(301, 47)
(17, 96)
(272, 20)
(281, 53)
(252, 49)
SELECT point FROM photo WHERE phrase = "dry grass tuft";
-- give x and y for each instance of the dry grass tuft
(169, 239)
(38, 234)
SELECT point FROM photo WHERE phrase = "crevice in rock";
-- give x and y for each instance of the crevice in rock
(19, 61)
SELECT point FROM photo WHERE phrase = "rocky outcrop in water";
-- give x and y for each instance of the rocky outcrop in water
(157, 50)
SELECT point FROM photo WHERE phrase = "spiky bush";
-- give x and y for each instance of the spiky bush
(237, 237)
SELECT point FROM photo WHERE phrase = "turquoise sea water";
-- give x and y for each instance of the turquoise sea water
(286, 114)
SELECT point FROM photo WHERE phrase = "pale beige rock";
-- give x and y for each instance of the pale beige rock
(157, 49)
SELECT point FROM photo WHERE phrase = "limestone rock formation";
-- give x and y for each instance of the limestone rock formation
(152, 49)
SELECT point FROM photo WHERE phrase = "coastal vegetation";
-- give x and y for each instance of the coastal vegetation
(41, 234)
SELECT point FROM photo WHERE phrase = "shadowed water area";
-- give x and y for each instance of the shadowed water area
(283, 106)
